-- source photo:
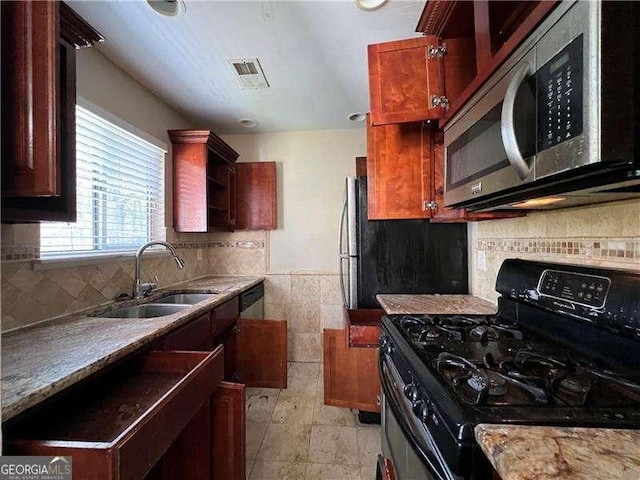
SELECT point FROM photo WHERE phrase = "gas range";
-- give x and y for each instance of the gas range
(550, 356)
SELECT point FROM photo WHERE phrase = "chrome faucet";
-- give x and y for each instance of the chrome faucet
(141, 289)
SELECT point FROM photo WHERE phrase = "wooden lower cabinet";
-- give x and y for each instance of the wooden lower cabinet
(351, 378)
(121, 424)
(228, 459)
(189, 456)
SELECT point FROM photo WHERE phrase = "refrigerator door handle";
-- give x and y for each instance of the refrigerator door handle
(342, 254)
(342, 285)
(340, 233)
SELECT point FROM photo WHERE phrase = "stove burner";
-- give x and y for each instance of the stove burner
(426, 329)
(497, 384)
(483, 333)
(574, 384)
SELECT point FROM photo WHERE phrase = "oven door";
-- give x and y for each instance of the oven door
(407, 444)
(490, 147)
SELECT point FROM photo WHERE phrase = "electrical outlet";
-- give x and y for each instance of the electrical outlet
(198, 254)
(481, 261)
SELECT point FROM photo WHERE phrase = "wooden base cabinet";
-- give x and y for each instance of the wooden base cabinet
(123, 423)
(351, 378)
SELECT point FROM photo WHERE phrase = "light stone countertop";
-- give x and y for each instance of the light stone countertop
(519, 452)
(41, 360)
(435, 304)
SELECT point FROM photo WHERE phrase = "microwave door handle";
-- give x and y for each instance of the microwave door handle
(507, 124)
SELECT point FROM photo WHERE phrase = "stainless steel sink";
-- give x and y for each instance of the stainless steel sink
(184, 298)
(144, 311)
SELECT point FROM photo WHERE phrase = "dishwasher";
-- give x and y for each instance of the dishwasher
(252, 303)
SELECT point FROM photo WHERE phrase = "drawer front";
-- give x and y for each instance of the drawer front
(251, 296)
(194, 336)
(224, 315)
(146, 435)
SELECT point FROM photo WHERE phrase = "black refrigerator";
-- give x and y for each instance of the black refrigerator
(396, 256)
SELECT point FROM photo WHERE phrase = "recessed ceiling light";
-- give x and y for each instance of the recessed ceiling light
(247, 122)
(369, 5)
(357, 117)
(168, 8)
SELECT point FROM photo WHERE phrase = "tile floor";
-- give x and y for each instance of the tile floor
(292, 435)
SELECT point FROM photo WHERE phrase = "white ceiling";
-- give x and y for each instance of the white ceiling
(313, 54)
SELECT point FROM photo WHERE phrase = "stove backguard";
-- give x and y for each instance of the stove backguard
(605, 298)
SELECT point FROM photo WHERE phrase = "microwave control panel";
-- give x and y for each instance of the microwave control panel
(559, 92)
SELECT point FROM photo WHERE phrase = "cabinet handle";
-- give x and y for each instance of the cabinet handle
(236, 329)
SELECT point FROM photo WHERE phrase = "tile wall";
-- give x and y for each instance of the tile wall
(309, 301)
(606, 235)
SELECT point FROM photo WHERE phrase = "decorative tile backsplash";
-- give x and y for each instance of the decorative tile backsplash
(308, 301)
(622, 249)
(605, 235)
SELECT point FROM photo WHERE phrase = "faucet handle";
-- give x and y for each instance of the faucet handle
(155, 282)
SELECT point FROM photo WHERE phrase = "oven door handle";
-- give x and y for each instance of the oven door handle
(507, 124)
(431, 458)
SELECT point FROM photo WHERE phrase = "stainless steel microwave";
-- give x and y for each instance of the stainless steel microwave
(558, 124)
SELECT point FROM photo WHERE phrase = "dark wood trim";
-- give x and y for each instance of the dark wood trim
(435, 16)
(482, 33)
(75, 30)
(215, 143)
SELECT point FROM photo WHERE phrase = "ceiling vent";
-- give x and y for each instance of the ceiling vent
(249, 73)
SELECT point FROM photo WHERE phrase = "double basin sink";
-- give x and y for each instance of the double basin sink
(167, 305)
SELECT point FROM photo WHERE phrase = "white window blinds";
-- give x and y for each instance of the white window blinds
(120, 193)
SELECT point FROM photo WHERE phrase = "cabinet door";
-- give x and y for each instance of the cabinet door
(402, 81)
(256, 196)
(30, 99)
(351, 377)
(228, 460)
(261, 353)
(399, 172)
(38, 109)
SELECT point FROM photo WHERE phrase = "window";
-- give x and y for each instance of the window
(120, 199)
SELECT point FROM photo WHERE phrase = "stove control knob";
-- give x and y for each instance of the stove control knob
(411, 392)
(421, 409)
(385, 346)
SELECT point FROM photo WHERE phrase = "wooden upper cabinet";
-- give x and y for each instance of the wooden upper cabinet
(212, 192)
(404, 80)
(39, 40)
(399, 171)
(477, 36)
(203, 181)
(256, 196)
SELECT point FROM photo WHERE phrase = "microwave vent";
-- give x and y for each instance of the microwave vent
(249, 73)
